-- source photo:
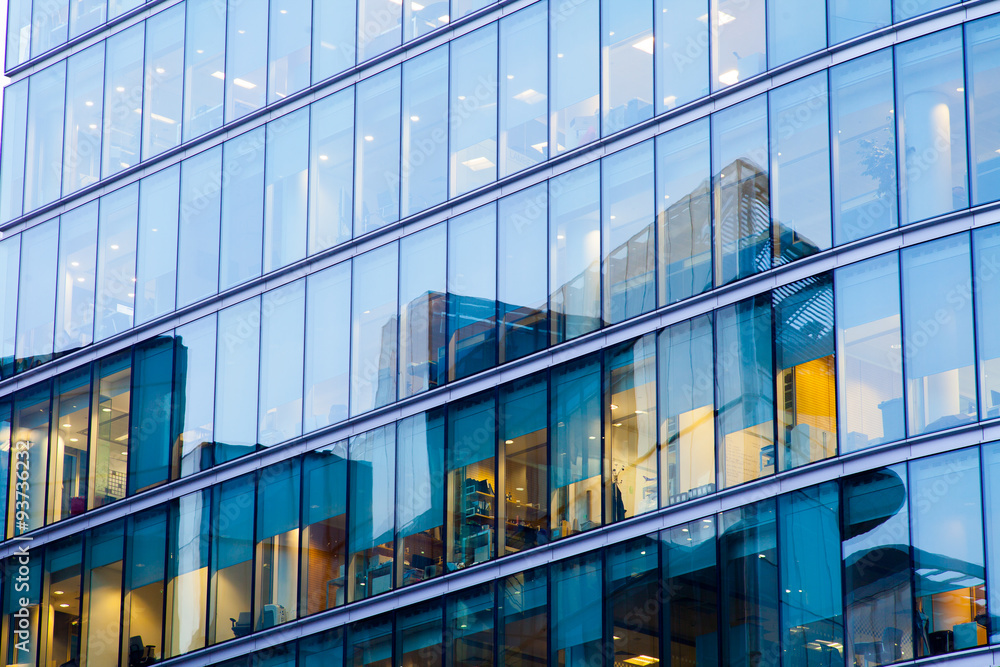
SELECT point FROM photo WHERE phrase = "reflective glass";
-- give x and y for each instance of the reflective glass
(425, 131)
(246, 60)
(10, 255)
(472, 291)
(805, 385)
(574, 58)
(149, 442)
(738, 41)
(374, 329)
(473, 131)
(630, 428)
(204, 67)
(198, 227)
(333, 37)
(75, 278)
(904, 9)
(36, 295)
(472, 496)
(143, 589)
(627, 47)
(33, 578)
(684, 212)
(991, 501)
(419, 635)
(187, 573)
(524, 434)
(327, 336)
(119, 7)
(470, 627)
(110, 435)
(242, 208)
(523, 619)
(460, 8)
(324, 529)
(101, 594)
(30, 436)
(194, 396)
(983, 74)
(84, 102)
(794, 28)
(849, 18)
(691, 606)
(14, 140)
(741, 190)
(286, 182)
(576, 447)
(930, 84)
(282, 344)
(986, 258)
(44, 144)
(19, 31)
(423, 284)
(288, 39)
(49, 25)
(878, 607)
(122, 100)
(938, 337)
(379, 24)
(85, 15)
(156, 269)
(744, 391)
(324, 649)
(5, 451)
(524, 89)
(236, 379)
(632, 598)
(63, 625)
(277, 545)
(161, 110)
(864, 147)
(371, 512)
(331, 170)
(116, 279)
(231, 578)
(577, 630)
(67, 491)
(420, 483)
(377, 143)
(681, 52)
(522, 272)
(419, 19)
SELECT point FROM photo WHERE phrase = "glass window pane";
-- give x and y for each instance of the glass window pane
(10, 255)
(119, 7)
(627, 201)
(324, 528)
(286, 181)
(372, 474)
(246, 61)
(626, 63)
(878, 609)
(281, 356)
(33, 579)
(991, 499)
(379, 27)
(632, 596)
(687, 405)
(14, 140)
(524, 89)
(523, 619)
(145, 567)
(75, 278)
(630, 429)
(738, 46)
(800, 169)
(911, 8)
(420, 498)
(419, 635)
(522, 272)
(812, 615)
(324, 649)
(62, 637)
(423, 284)
(288, 48)
(198, 233)
(576, 447)
(938, 335)
(425, 131)
(460, 8)
(5, 450)
(36, 295)
(745, 391)
(691, 610)
(373, 329)
(681, 52)
(574, 57)
(986, 244)
(419, 20)
(122, 99)
(148, 441)
(575, 252)
(116, 239)
(331, 170)
(187, 573)
(19, 31)
(472, 429)
(869, 341)
(50, 22)
(683, 211)
(741, 190)
(84, 103)
(804, 364)
(470, 627)
(576, 621)
(749, 591)
(524, 433)
(30, 427)
(327, 336)
(794, 28)
(161, 119)
(864, 147)
(930, 82)
(277, 550)
(68, 472)
(108, 454)
(242, 208)
(849, 18)
(236, 380)
(473, 141)
(377, 142)
(229, 613)
(983, 74)
(472, 289)
(43, 161)
(156, 272)
(333, 37)
(194, 395)
(205, 67)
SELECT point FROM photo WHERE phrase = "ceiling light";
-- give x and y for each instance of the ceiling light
(164, 119)
(58, 592)
(444, 18)
(79, 280)
(520, 488)
(74, 439)
(614, 407)
(593, 437)
(160, 70)
(478, 163)
(120, 89)
(67, 426)
(510, 76)
(530, 96)
(284, 11)
(64, 604)
(415, 119)
(508, 442)
(323, 157)
(219, 75)
(416, 6)
(645, 45)
(541, 146)
(642, 660)
(559, 55)
(242, 32)
(730, 77)
(89, 103)
(244, 84)
(74, 263)
(200, 51)
(93, 126)
(105, 409)
(618, 424)
(114, 247)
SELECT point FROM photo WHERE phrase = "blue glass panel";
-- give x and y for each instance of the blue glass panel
(286, 182)
(681, 52)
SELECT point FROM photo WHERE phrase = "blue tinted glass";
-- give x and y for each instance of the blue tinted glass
(122, 98)
(149, 436)
(473, 142)
(281, 356)
(331, 170)
(205, 67)
(738, 46)
(277, 536)
(84, 102)
(472, 339)
(246, 59)
(681, 52)
(333, 37)
(242, 208)
(630, 392)
(986, 256)
(425, 131)
(577, 630)
(691, 609)
(983, 72)
(10, 255)
(327, 336)
(423, 285)
(373, 329)
(49, 25)
(324, 528)
(627, 47)
(198, 227)
(286, 181)
(522, 276)
(904, 9)
(75, 281)
(157, 263)
(161, 110)
(632, 594)
(991, 500)
(379, 27)
(377, 141)
(231, 577)
(849, 18)
(794, 28)
(36, 295)
(420, 483)
(574, 57)
(116, 241)
(187, 573)
(371, 511)
(14, 140)
(472, 482)
(19, 31)
(524, 434)
(236, 378)
(194, 395)
(42, 166)
(288, 48)
(524, 89)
